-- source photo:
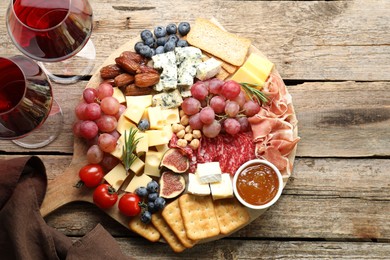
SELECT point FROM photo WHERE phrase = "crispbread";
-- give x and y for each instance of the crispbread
(172, 215)
(227, 66)
(146, 230)
(231, 215)
(170, 237)
(199, 216)
(223, 74)
(224, 45)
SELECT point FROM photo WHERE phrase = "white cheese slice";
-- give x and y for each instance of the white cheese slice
(208, 69)
(116, 176)
(222, 189)
(209, 172)
(196, 187)
(138, 181)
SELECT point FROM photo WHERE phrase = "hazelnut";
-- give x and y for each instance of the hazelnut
(196, 134)
(194, 144)
(180, 134)
(184, 120)
(177, 127)
(188, 129)
(182, 143)
(188, 137)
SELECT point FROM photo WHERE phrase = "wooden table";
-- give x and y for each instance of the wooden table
(335, 59)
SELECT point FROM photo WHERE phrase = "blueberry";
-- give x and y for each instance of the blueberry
(160, 49)
(143, 124)
(169, 46)
(153, 50)
(159, 203)
(161, 41)
(173, 37)
(160, 31)
(152, 207)
(184, 28)
(171, 28)
(145, 51)
(137, 47)
(182, 43)
(151, 42)
(146, 34)
(146, 217)
(152, 196)
(153, 186)
(141, 192)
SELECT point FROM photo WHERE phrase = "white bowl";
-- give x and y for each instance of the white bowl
(252, 162)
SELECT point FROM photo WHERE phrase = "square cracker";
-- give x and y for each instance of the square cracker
(172, 215)
(229, 47)
(199, 216)
(145, 230)
(162, 226)
(231, 215)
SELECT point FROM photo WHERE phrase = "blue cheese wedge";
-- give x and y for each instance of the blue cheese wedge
(209, 172)
(196, 187)
(168, 100)
(168, 77)
(208, 69)
(222, 189)
(187, 61)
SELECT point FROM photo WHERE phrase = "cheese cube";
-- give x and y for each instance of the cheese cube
(152, 163)
(156, 117)
(136, 106)
(158, 137)
(138, 181)
(162, 148)
(209, 172)
(137, 166)
(222, 189)
(208, 69)
(120, 143)
(171, 115)
(116, 176)
(142, 146)
(118, 94)
(196, 187)
(124, 124)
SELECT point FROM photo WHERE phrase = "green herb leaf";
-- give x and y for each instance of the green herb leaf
(128, 149)
(254, 93)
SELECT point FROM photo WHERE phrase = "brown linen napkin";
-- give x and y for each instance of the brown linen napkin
(23, 232)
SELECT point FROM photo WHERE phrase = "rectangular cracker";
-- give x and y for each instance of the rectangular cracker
(227, 66)
(223, 74)
(224, 45)
(147, 231)
(172, 215)
(231, 215)
(164, 229)
(199, 216)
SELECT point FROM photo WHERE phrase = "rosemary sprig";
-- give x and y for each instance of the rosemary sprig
(128, 149)
(254, 93)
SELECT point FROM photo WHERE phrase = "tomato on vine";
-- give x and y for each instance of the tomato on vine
(91, 175)
(129, 204)
(105, 196)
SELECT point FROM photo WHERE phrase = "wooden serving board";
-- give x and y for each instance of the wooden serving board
(62, 189)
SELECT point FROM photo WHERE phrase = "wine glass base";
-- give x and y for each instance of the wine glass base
(46, 133)
(71, 70)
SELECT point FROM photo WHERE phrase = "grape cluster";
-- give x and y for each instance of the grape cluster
(217, 106)
(154, 202)
(98, 115)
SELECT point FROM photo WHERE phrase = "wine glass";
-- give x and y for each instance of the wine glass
(28, 113)
(56, 33)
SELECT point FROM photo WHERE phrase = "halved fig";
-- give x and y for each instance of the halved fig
(175, 160)
(171, 185)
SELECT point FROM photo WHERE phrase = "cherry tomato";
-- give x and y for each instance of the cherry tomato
(91, 175)
(105, 196)
(129, 204)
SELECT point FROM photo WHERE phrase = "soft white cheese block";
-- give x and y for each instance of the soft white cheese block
(209, 172)
(222, 189)
(208, 69)
(196, 187)
(116, 176)
(138, 181)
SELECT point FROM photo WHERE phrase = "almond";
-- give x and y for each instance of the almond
(144, 80)
(110, 71)
(123, 79)
(133, 90)
(127, 64)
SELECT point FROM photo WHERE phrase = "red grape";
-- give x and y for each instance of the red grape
(90, 95)
(107, 123)
(76, 128)
(190, 106)
(80, 111)
(88, 129)
(115, 134)
(121, 109)
(212, 130)
(244, 123)
(109, 161)
(107, 143)
(199, 91)
(195, 122)
(207, 115)
(240, 99)
(232, 126)
(104, 90)
(218, 104)
(94, 154)
(92, 111)
(230, 89)
(109, 105)
(251, 108)
(232, 108)
(215, 85)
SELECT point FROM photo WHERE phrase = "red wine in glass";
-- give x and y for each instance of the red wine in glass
(26, 101)
(52, 31)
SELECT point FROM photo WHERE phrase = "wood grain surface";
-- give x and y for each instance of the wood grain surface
(335, 59)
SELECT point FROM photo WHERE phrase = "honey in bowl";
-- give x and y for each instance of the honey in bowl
(258, 184)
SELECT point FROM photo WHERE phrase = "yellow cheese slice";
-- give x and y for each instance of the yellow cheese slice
(244, 75)
(124, 124)
(136, 106)
(158, 137)
(259, 65)
(118, 94)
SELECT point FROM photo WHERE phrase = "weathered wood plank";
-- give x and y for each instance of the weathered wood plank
(348, 123)
(337, 40)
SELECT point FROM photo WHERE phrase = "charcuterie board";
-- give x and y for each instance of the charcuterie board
(61, 190)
